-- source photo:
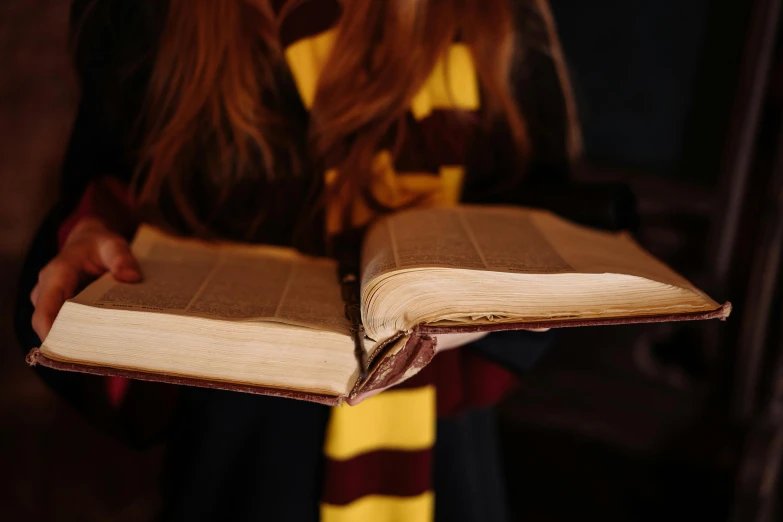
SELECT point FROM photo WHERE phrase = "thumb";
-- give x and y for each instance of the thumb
(114, 254)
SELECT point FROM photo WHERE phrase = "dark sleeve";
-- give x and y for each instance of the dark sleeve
(517, 351)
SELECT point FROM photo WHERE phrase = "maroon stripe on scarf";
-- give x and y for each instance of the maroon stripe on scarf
(382, 472)
(307, 18)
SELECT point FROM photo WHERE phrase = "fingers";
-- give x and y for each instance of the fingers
(56, 283)
(115, 255)
(87, 254)
(34, 294)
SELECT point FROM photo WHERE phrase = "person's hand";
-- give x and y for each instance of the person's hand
(90, 250)
(445, 342)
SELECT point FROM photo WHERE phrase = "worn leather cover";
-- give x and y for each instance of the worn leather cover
(385, 369)
(392, 369)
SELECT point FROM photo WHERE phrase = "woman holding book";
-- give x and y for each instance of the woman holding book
(297, 122)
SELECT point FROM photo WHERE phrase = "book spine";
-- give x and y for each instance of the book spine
(393, 369)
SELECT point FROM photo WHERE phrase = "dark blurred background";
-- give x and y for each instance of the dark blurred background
(682, 102)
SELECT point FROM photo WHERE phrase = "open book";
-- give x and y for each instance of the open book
(271, 320)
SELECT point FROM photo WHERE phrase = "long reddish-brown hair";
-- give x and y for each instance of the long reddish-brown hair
(214, 94)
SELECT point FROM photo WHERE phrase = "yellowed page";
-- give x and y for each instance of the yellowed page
(378, 252)
(433, 237)
(505, 239)
(482, 238)
(491, 265)
(313, 297)
(509, 240)
(226, 281)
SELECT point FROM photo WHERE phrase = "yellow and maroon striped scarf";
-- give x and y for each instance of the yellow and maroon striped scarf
(379, 453)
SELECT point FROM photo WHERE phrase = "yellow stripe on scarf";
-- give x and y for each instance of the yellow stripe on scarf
(397, 419)
(451, 85)
(393, 420)
(396, 190)
(379, 508)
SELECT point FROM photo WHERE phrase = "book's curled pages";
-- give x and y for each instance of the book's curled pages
(270, 320)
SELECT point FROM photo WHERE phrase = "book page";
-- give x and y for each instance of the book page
(512, 242)
(243, 286)
(313, 297)
(378, 252)
(505, 239)
(419, 238)
(593, 251)
(493, 265)
(462, 237)
(227, 281)
(173, 274)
